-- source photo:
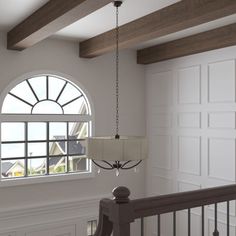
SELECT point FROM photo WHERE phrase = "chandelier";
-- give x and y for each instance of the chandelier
(117, 152)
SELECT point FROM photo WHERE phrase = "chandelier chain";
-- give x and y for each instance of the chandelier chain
(117, 72)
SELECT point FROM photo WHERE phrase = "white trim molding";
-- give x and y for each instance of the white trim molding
(38, 216)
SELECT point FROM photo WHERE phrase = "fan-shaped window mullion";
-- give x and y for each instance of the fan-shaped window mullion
(31, 88)
(69, 94)
(21, 99)
(24, 93)
(72, 100)
(38, 84)
(59, 95)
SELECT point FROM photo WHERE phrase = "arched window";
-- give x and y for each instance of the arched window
(44, 122)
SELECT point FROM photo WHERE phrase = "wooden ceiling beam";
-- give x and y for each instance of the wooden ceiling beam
(50, 18)
(202, 42)
(171, 19)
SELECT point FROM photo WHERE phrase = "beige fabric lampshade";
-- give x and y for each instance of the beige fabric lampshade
(122, 149)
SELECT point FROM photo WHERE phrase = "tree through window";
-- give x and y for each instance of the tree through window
(44, 123)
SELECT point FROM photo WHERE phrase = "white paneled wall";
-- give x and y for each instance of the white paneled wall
(68, 218)
(191, 126)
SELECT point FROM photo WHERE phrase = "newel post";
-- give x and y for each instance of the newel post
(122, 212)
(104, 227)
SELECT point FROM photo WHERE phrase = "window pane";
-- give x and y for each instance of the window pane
(13, 131)
(12, 169)
(39, 86)
(14, 105)
(78, 130)
(24, 92)
(57, 130)
(70, 92)
(37, 131)
(78, 164)
(94, 227)
(13, 150)
(47, 107)
(55, 87)
(76, 107)
(89, 228)
(37, 149)
(57, 148)
(57, 165)
(76, 147)
(36, 166)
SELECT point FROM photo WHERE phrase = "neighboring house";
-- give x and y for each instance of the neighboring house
(56, 165)
(12, 169)
(59, 147)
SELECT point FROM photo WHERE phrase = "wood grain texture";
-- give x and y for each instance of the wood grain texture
(206, 41)
(50, 18)
(171, 19)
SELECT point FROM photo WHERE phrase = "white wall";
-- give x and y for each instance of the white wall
(97, 76)
(191, 129)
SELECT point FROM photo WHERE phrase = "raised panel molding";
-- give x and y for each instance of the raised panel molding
(221, 82)
(161, 151)
(161, 89)
(184, 186)
(221, 158)
(189, 85)
(189, 155)
(40, 215)
(202, 131)
(221, 120)
(161, 185)
(189, 120)
(161, 120)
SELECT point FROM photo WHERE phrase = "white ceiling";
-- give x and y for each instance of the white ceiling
(103, 19)
(13, 12)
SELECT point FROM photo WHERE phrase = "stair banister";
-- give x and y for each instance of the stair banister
(116, 215)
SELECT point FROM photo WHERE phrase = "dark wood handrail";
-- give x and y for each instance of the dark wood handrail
(117, 214)
(184, 200)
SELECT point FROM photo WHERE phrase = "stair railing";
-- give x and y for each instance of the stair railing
(115, 216)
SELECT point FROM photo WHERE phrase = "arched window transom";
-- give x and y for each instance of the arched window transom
(45, 95)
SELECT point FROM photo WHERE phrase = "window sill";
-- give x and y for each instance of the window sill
(45, 179)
